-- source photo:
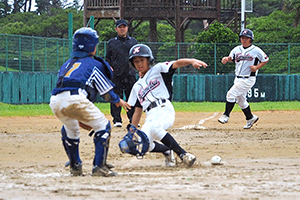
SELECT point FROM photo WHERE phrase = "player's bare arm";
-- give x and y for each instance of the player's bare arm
(189, 61)
(226, 59)
(124, 104)
(254, 68)
(137, 116)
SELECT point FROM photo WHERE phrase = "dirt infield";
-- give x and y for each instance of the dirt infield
(260, 163)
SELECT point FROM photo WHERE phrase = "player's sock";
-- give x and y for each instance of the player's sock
(170, 142)
(228, 108)
(161, 148)
(247, 113)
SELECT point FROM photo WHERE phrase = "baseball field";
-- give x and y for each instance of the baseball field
(260, 163)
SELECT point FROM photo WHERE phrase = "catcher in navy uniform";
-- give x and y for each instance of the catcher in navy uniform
(248, 60)
(80, 79)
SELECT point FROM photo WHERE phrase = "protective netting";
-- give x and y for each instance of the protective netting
(36, 54)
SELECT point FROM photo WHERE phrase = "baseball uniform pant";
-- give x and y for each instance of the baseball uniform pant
(157, 121)
(70, 109)
(238, 92)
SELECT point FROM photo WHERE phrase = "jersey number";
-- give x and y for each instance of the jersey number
(74, 67)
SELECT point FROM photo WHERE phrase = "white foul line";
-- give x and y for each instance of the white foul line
(198, 126)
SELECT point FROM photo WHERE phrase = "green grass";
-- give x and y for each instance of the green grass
(8, 69)
(9, 110)
(219, 107)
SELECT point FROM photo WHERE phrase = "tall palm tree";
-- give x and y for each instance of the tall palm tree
(291, 6)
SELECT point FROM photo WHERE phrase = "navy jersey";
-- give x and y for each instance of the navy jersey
(89, 74)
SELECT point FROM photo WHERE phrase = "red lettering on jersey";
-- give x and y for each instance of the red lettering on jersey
(151, 86)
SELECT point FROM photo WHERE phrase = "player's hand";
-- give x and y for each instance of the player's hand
(225, 60)
(124, 104)
(253, 68)
(198, 63)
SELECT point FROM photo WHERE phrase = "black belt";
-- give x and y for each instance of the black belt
(155, 104)
(252, 74)
(74, 92)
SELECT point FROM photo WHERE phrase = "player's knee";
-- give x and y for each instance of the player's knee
(230, 97)
(69, 133)
(158, 132)
(103, 136)
(101, 124)
(243, 105)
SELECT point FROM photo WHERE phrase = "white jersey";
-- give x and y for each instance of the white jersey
(244, 58)
(150, 87)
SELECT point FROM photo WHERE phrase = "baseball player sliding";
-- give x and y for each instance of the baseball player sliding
(80, 79)
(248, 60)
(152, 94)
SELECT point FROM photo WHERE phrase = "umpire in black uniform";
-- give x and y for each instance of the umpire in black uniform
(124, 76)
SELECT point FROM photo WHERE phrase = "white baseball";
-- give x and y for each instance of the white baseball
(216, 160)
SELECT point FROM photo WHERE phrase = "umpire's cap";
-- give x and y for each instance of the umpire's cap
(121, 22)
(84, 41)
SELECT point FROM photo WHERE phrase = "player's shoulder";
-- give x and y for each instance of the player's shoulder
(238, 47)
(91, 61)
(256, 47)
(112, 40)
(165, 63)
(132, 38)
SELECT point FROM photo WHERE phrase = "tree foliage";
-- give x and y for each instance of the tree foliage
(265, 7)
(217, 33)
(293, 6)
(51, 24)
(275, 28)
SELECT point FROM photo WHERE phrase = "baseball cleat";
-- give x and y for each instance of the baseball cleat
(250, 122)
(223, 119)
(103, 171)
(76, 170)
(67, 164)
(109, 166)
(118, 124)
(188, 159)
(170, 159)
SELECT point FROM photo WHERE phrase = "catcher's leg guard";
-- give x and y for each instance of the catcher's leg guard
(63, 138)
(72, 149)
(101, 140)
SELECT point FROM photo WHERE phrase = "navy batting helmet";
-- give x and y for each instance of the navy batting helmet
(135, 142)
(248, 33)
(141, 50)
(84, 41)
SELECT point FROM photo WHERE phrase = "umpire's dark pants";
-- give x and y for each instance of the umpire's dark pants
(123, 86)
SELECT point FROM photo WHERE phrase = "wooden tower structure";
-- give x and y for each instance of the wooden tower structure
(178, 13)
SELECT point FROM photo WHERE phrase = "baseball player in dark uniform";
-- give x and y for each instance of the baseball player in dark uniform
(80, 79)
(151, 92)
(124, 76)
(248, 60)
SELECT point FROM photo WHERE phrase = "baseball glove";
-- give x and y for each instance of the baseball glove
(85, 127)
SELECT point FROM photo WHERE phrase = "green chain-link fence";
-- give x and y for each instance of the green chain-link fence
(36, 54)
